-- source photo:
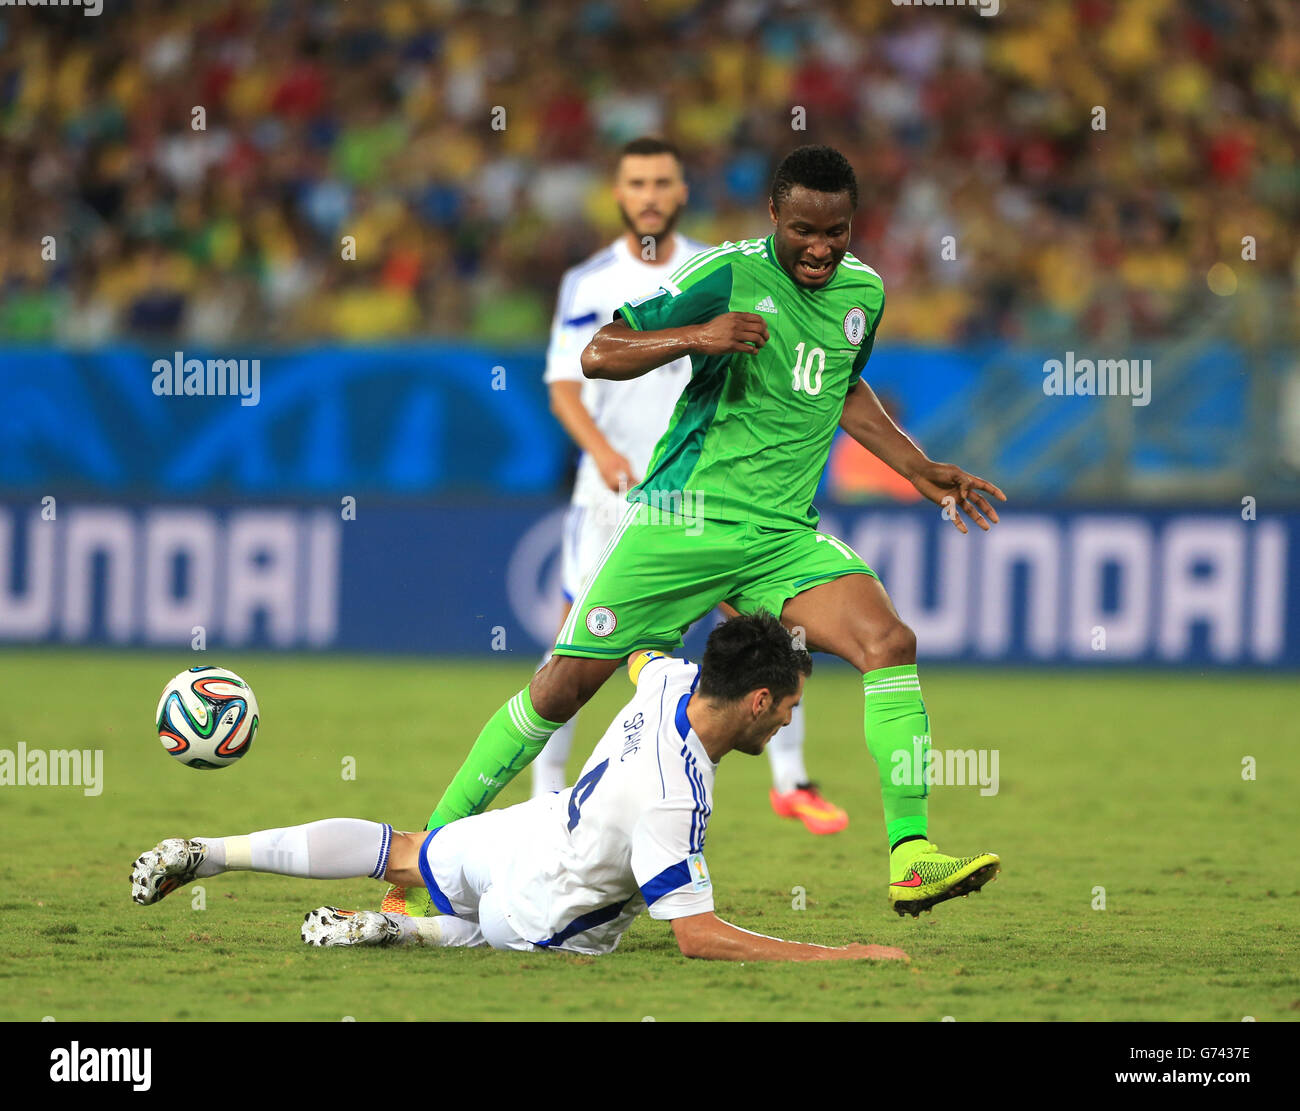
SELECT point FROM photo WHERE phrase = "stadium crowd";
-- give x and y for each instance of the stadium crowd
(465, 148)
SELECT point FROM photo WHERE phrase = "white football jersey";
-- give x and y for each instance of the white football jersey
(628, 835)
(631, 415)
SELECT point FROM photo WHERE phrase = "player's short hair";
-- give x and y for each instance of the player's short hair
(751, 651)
(820, 168)
(648, 145)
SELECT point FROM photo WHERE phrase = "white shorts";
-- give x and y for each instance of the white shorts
(458, 862)
(587, 531)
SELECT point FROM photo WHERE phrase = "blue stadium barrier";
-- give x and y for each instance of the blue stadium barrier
(430, 420)
(1078, 588)
(402, 420)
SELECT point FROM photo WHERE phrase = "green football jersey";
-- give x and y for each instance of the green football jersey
(750, 435)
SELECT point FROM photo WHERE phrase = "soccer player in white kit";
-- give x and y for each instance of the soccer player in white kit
(618, 424)
(567, 871)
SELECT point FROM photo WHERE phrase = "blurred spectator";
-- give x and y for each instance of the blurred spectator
(463, 146)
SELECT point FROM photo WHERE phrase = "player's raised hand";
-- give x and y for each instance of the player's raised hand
(954, 489)
(745, 332)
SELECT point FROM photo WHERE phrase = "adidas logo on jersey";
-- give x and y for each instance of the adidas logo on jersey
(766, 305)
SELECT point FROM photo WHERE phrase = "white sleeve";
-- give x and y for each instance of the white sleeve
(572, 327)
(668, 866)
(655, 666)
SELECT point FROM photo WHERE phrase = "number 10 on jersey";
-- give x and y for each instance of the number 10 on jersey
(803, 370)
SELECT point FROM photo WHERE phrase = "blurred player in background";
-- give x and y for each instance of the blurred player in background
(617, 424)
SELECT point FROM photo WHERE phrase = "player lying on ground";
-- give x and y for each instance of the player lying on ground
(569, 870)
(778, 331)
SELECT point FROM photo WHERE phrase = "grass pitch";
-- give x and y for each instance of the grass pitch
(1131, 783)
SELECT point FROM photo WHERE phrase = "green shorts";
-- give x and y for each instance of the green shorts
(659, 574)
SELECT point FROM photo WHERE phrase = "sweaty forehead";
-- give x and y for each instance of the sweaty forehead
(809, 206)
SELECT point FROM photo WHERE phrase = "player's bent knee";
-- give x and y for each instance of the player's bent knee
(891, 647)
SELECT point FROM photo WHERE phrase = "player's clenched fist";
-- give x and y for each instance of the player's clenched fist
(732, 331)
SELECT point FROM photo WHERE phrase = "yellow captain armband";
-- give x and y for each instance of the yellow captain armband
(638, 660)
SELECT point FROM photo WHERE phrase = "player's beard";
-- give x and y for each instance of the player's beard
(659, 237)
(760, 739)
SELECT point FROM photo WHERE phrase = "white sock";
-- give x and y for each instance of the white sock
(444, 932)
(333, 849)
(786, 753)
(549, 764)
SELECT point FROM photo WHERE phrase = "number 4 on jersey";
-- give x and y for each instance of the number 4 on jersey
(582, 789)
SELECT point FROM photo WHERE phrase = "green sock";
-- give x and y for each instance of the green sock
(898, 737)
(509, 741)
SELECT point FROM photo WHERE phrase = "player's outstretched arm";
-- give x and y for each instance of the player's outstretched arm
(708, 937)
(618, 352)
(865, 419)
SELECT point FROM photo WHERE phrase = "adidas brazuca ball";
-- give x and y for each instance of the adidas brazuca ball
(207, 717)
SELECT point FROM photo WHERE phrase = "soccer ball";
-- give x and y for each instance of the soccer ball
(207, 717)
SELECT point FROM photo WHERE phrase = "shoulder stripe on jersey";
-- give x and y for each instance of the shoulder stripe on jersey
(666, 882)
(682, 721)
(569, 283)
(700, 816)
(690, 266)
(745, 247)
(700, 258)
(600, 258)
(854, 263)
(695, 794)
(578, 321)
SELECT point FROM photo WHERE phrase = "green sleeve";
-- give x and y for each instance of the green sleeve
(864, 352)
(699, 298)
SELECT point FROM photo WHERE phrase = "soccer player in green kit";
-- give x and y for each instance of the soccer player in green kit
(778, 331)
